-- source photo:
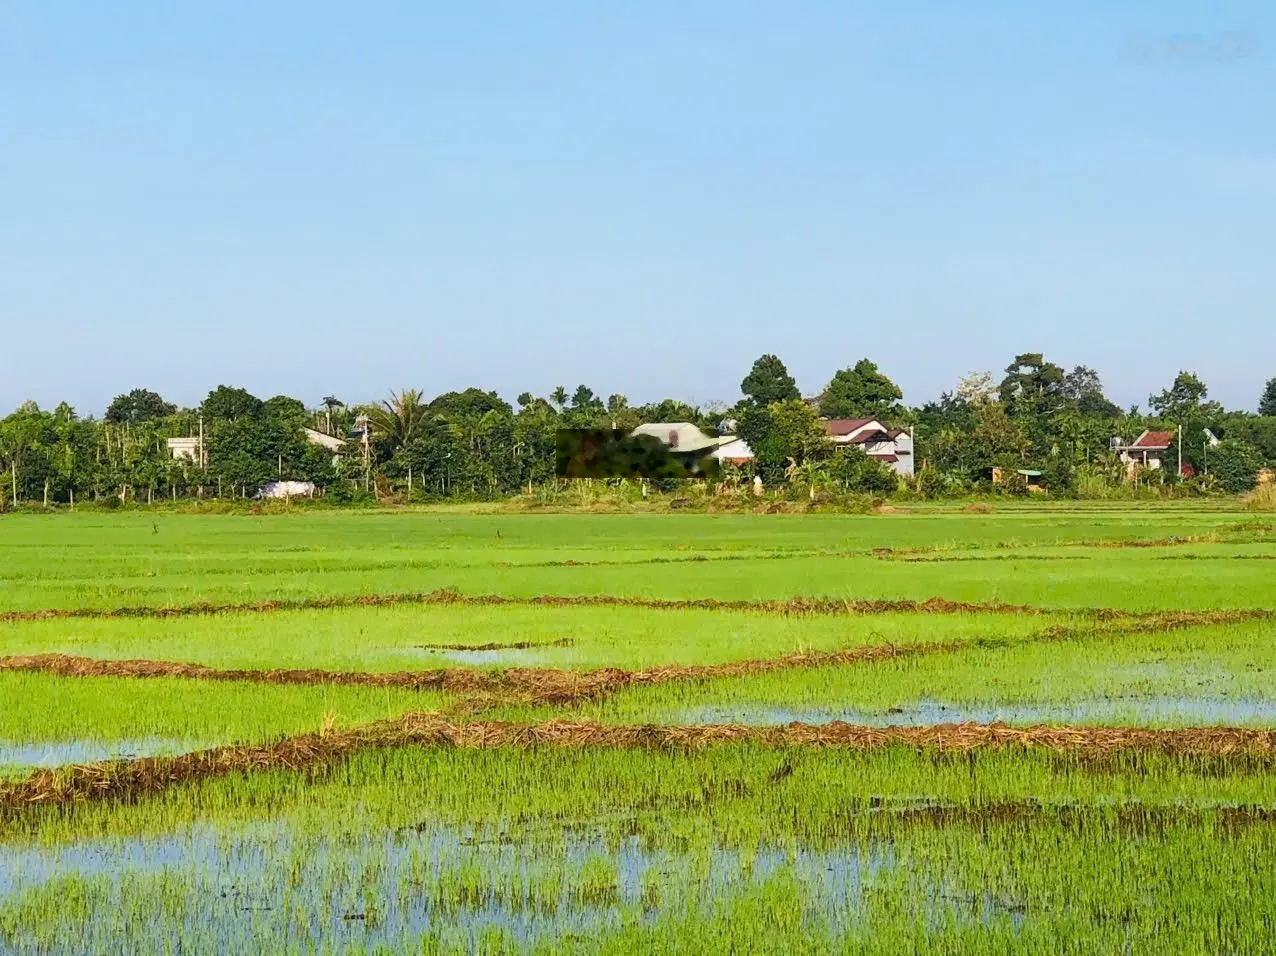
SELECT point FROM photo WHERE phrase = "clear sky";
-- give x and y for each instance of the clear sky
(346, 198)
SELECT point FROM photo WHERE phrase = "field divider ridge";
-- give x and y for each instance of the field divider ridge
(800, 606)
(130, 779)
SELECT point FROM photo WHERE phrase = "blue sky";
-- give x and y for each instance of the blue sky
(321, 197)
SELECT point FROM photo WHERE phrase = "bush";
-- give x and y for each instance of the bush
(855, 471)
(1234, 466)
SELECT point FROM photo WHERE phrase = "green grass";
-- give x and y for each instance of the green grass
(391, 638)
(114, 560)
(93, 714)
(1197, 677)
(734, 848)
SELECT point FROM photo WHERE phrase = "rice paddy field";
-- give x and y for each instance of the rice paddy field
(1042, 731)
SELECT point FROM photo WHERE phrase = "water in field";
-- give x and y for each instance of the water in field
(62, 753)
(1133, 711)
(390, 889)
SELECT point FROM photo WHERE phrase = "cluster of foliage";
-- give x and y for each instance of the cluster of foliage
(470, 443)
(473, 443)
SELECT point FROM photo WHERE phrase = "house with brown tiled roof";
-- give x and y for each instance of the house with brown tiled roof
(890, 446)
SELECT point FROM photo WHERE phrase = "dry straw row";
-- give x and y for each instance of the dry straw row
(130, 779)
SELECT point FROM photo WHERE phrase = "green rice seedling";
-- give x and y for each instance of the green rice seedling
(48, 720)
(401, 638)
(1213, 676)
(553, 849)
(118, 560)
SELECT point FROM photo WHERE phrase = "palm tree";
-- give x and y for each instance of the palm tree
(559, 397)
(399, 418)
(329, 403)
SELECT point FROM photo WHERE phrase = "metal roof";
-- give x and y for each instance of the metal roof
(679, 436)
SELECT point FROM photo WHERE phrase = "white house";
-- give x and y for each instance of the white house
(679, 437)
(187, 448)
(734, 450)
(890, 446)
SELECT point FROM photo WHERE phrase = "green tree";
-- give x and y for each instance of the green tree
(559, 397)
(769, 382)
(997, 440)
(1083, 388)
(1267, 403)
(397, 419)
(1033, 387)
(137, 406)
(1185, 400)
(1235, 465)
(861, 391)
(473, 403)
(230, 404)
(782, 431)
(587, 409)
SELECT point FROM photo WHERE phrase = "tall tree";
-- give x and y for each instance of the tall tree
(1267, 404)
(331, 404)
(137, 406)
(398, 418)
(1184, 400)
(1084, 389)
(230, 404)
(1033, 387)
(769, 382)
(861, 391)
(559, 397)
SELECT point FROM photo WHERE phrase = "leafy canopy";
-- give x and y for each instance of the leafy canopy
(137, 406)
(861, 392)
(769, 382)
(1267, 404)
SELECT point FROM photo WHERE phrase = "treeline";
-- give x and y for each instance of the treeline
(474, 444)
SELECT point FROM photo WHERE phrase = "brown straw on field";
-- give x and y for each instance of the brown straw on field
(129, 779)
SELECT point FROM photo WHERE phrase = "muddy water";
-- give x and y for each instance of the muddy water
(1117, 711)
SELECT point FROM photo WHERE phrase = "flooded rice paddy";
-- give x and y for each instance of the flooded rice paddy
(552, 818)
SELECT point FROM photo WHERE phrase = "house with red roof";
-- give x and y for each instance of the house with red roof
(890, 446)
(1154, 450)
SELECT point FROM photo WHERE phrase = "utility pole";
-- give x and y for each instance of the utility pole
(367, 455)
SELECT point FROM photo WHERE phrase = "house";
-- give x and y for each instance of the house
(1033, 478)
(734, 450)
(1149, 451)
(685, 442)
(187, 448)
(1154, 450)
(330, 442)
(890, 446)
(680, 437)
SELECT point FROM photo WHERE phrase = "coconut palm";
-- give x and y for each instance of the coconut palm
(559, 397)
(399, 418)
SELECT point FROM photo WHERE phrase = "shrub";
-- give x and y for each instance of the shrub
(1234, 465)
(855, 471)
